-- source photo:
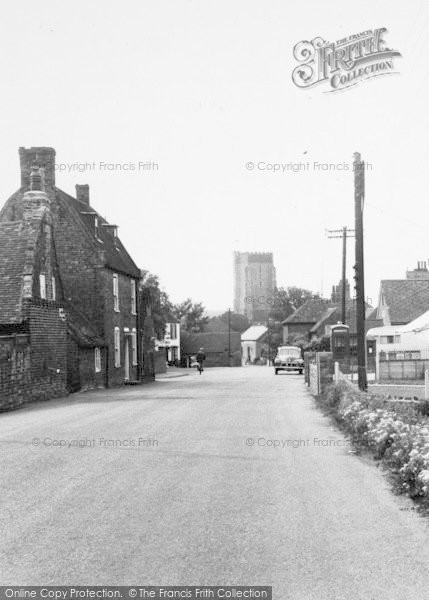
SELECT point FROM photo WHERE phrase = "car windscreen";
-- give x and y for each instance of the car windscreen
(292, 352)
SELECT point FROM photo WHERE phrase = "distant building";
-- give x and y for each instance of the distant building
(337, 292)
(254, 343)
(216, 345)
(254, 284)
(170, 343)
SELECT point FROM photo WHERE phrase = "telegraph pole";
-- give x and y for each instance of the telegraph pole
(342, 233)
(359, 183)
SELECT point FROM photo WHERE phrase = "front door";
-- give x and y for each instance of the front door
(127, 358)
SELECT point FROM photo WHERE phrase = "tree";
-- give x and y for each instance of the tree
(298, 296)
(286, 301)
(238, 322)
(156, 301)
(191, 315)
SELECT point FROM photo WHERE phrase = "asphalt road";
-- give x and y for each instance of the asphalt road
(176, 483)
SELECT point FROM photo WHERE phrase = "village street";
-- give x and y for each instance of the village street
(194, 480)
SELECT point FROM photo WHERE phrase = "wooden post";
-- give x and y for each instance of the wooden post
(337, 371)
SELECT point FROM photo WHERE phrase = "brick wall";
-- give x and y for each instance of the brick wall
(89, 378)
(15, 376)
(48, 353)
(33, 366)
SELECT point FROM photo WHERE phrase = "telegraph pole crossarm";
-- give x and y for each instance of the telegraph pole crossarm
(343, 234)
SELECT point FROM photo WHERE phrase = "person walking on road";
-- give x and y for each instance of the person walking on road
(201, 357)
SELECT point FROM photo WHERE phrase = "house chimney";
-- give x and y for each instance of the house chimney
(421, 273)
(35, 200)
(45, 159)
(82, 193)
(36, 181)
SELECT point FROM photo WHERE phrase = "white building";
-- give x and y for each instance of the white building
(413, 336)
(170, 342)
(253, 342)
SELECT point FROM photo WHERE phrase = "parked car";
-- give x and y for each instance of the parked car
(288, 358)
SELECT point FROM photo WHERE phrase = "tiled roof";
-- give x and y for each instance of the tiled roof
(407, 299)
(328, 313)
(15, 238)
(117, 258)
(310, 312)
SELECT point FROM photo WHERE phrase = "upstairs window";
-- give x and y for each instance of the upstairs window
(115, 292)
(54, 289)
(173, 331)
(117, 343)
(42, 285)
(133, 297)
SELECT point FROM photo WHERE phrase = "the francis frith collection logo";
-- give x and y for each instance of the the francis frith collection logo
(344, 63)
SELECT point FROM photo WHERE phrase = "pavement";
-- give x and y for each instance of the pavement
(232, 477)
(173, 372)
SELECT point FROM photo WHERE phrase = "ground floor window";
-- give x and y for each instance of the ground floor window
(134, 346)
(117, 340)
(97, 356)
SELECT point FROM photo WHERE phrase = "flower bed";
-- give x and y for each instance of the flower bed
(398, 436)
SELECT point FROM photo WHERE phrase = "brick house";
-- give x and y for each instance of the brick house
(86, 274)
(33, 332)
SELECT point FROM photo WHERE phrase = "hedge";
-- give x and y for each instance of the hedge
(398, 436)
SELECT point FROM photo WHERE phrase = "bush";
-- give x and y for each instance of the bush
(396, 435)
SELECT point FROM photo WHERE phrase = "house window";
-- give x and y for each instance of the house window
(390, 339)
(115, 293)
(134, 346)
(42, 283)
(173, 331)
(97, 357)
(117, 340)
(54, 289)
(133, 297)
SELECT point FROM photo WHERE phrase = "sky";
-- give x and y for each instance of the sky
(200, 88)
